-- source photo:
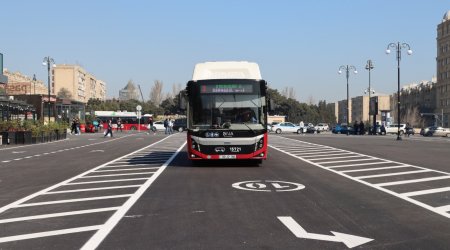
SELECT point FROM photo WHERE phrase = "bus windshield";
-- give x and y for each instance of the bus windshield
(228, 111)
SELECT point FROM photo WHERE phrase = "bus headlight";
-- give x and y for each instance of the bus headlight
(260, 143)
(195, 145)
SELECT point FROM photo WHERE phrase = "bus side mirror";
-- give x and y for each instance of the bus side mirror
(182, 100)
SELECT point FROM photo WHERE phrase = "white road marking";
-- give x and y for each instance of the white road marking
(335, 169)
(391, 174)
(122, 169)
(109, 175)
(91, 189)
(372, 169)
(49, 233)
(105, 181)
(349, 240)
(73, 200)
(427, 191)
(98, 237)
(45, 216)
(412, 181)
(445, 208)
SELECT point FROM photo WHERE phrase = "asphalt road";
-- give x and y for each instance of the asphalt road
(138, 191)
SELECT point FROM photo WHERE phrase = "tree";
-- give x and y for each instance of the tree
(156, 94)
(64, 93)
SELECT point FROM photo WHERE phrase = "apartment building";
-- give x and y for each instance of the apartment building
(20, 84)
(443, 69)
(80, 84)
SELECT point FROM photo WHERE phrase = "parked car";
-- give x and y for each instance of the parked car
(436, 131)
(322, 127)
(159, 125)
(393, 129)
(286, 127)
(312, 129)
(180, 124)
(342, 129)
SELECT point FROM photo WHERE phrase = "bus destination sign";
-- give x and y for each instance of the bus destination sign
(226, 88)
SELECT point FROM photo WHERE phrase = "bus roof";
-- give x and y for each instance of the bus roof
(226, 70)
(115, 113)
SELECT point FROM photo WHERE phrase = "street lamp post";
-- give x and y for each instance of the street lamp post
(347, 69)
(48, 61)
(369, 67)
(398, 47)
(34, 83)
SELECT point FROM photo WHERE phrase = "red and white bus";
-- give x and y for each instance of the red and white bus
(227, 109)
(129, 119)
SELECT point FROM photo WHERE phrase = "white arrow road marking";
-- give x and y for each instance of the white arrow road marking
(349, 240)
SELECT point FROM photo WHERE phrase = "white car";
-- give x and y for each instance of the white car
(322, 127)
(393, 129)
(286, 127)
(159, 125)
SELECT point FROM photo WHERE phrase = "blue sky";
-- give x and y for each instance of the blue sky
(298, 44)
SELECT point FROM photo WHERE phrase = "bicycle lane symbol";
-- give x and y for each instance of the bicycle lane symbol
(268, 186)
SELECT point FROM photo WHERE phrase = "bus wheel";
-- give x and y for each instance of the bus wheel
(133, 128)
(180, 129)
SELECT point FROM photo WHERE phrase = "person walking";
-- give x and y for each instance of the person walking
(355, 128)
(73, 128)
(119, 124)
(170, 124)
(166, 126)
(150, 124)
(109, 129)
(361, 128)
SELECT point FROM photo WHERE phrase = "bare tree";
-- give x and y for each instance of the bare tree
(64, 93)
(288, 92)
(311, 100)
(176, 88)
(156, 94)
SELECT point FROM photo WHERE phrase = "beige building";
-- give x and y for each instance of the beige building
(334, 107)
(342, 111)
(19, 84)
(443, 69)
(80, 84)
(361, 106)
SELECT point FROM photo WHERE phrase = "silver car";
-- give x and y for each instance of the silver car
(286, 127)
(436, 131)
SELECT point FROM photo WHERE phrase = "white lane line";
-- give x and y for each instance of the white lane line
(319, 152)
(411, 200)
(360, 164)
(122, 169)
(336, 157)
(105, 181)
(98, 237)
(49, 233)
(372, 169)
(362, 159)
(444, 209)
(6, 161)
(43, 191)
(337, 154)
(73, 200)
(392, 174)
(91, 189)
(129, 165)
(427, 191)
(45, 216)
(385, 184)
(110, 175)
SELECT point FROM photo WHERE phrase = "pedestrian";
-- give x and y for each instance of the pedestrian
(119, 124)
(355, 128)
(78, 127)
(109, 129)
(302, 127)
(166, 126)
(73, 128)
(408, 129)
(170, 124)
(361, 128)
(150, 124)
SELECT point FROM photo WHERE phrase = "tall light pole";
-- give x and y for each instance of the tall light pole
(48, 61)
(369, 67)
(34, 83)
(398, 47)
(347, 69)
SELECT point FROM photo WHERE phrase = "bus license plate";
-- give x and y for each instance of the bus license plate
(227, 156)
